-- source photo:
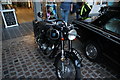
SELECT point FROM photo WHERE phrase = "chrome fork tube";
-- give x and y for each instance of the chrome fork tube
(63, 53)
(62, 47)
(70, 45)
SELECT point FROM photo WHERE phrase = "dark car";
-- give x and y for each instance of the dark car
(101, 36)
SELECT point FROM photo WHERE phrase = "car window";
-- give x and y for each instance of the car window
(113, 25)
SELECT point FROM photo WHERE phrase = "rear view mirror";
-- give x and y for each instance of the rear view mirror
(40, 14)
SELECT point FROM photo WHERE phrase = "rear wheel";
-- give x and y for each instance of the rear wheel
(65, 70)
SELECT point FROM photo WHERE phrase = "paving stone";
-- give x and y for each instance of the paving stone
(87, 75)
(46, 70)
(39, 70)
(29, 63)
(38, 67)
(35, 63)
(13, 73)
(11, 63)
(53, 69)
(27, 73)
(22, 77)
(42, 63)
(4, 68)
(17, 64)
(12, 69)
(51, 66)
(32, 70)
(25, 69)
(36, 77)
(13, 77)
(44, 66)
(53, 78)
(40, 60)
(27, 60)
(97, 72)
(20, 73)
(19, 70)
(24, 66)
(15, 60)
(49, 73)
(22, 62)
(84, 72)
(48, 64)
(7, 76)
(18, 67)
(92, 67)
(43, 75)
(4, 65)
(90, 71)
(94, 75)
(6, 72)
(34, 60)
(34, 73)
(31, 66)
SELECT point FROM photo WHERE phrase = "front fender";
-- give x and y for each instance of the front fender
(74, 56)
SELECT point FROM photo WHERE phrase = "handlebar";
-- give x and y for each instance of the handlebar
(55, 22)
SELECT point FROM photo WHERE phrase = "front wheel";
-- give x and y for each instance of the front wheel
(65, 70)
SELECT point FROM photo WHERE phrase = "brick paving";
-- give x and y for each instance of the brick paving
(21, 59)
(22, 30)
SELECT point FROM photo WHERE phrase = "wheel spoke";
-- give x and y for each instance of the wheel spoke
(66, 69)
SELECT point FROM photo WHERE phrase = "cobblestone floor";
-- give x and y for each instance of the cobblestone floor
(21, 59)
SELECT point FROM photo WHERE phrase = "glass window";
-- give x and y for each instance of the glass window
(113, 25)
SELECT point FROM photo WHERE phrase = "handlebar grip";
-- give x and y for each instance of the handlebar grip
(78, 36)
(59, 20)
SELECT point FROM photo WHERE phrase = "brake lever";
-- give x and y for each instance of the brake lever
(78, 36)
(76, 28)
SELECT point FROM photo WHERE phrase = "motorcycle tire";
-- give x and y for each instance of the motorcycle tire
(66, 70)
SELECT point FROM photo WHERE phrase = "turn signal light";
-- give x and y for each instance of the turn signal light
(75, 39)
(62, 39)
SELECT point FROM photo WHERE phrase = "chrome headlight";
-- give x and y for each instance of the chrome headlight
(72, 34)
(54, 34)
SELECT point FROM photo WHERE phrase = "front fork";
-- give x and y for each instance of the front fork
(70, 45)
(62, 48)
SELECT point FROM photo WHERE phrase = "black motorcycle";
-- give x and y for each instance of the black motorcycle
(51, 37)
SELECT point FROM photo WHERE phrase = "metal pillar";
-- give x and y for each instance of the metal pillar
(0, 6)
(37, 8)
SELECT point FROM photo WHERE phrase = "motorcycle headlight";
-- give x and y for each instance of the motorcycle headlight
(72, 34)
(54, 34)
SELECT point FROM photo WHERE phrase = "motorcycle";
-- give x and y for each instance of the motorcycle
(51, 37)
